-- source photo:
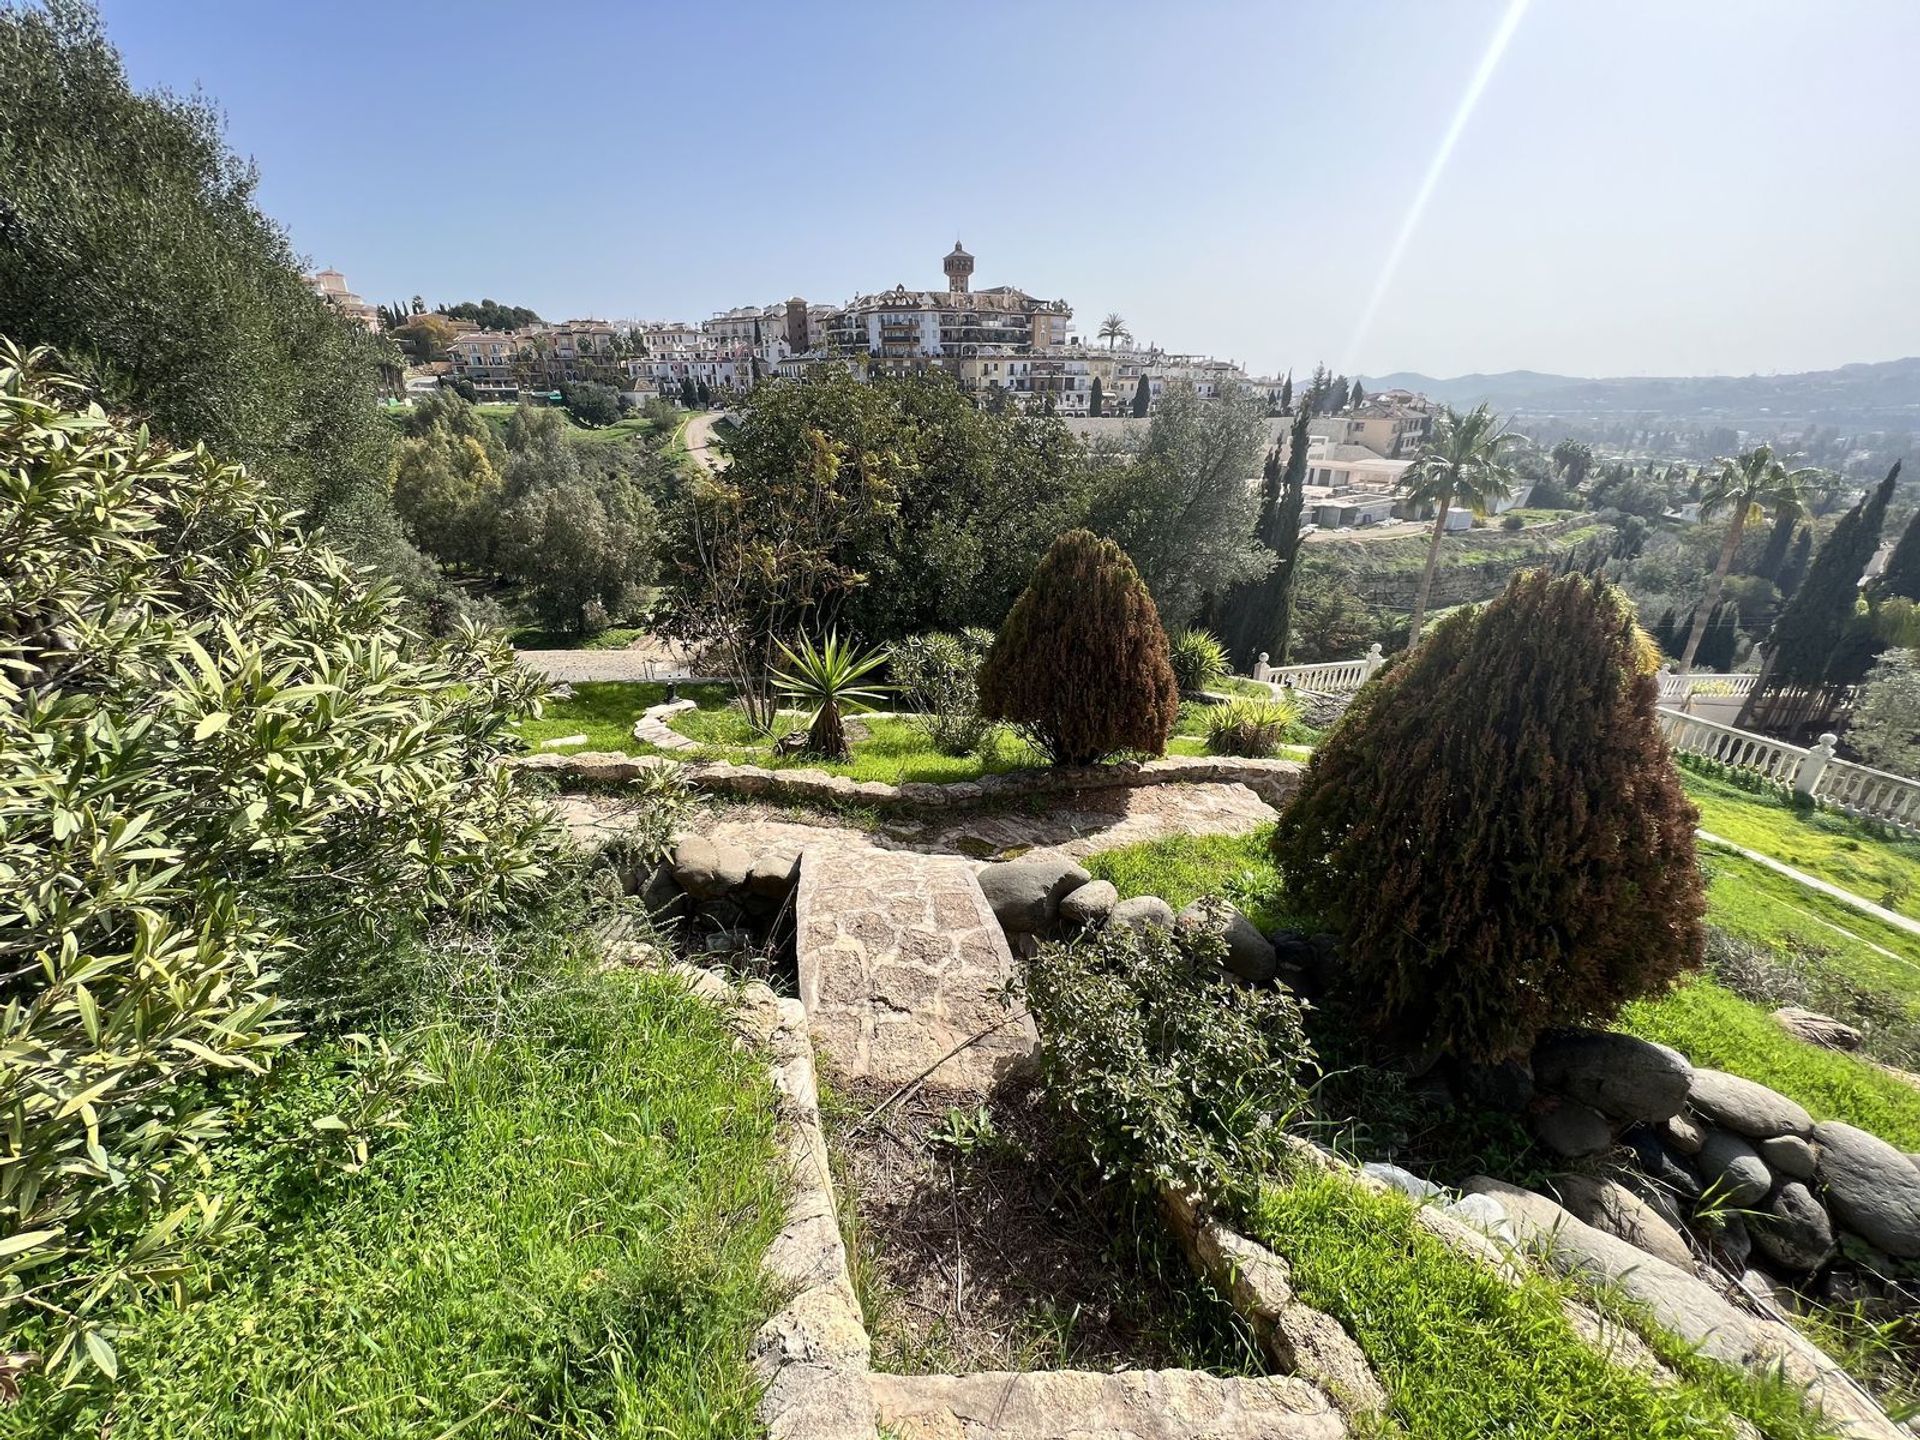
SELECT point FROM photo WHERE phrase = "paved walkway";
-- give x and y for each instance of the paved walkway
(1077, 824)
(1814, 882)
(648, 660)
(903, 970)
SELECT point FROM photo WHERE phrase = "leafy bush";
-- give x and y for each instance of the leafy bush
(1513, 522)
(938, 675)
(1172, 1073)
(1252, 728)
(1081, 663)
(1197, 658)
(590, 402)
(227, 779)
(1499, 826)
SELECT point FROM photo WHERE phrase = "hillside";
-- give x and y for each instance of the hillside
(1885, 394)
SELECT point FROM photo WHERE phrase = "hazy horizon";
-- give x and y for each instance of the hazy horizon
(1639, 189)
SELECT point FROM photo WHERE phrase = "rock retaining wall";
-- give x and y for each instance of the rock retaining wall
(1273, 780)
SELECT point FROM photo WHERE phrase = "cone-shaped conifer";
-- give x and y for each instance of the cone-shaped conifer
(1081, 663)
(1498, 826)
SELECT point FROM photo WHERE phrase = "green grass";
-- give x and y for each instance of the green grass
(631, 427)
(1834, 847)
(1749, 900)
(565, 1241)
(1463, 1354)
(604, 712)
(1182, 868)
(1714, 1027)
(614, 637)
(895, 752)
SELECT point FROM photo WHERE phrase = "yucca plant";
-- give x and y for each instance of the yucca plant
(828, 677)
(1250, 728)
(1198, 660)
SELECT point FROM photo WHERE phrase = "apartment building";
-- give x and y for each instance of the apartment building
(490, 361)
(1395, 425)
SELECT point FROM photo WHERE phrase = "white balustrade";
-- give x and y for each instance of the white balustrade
(1741, 749)
(1874, 794)
(1677, 688)
(1331, 677)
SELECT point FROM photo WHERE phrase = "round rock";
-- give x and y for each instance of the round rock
(1140, 912)
(1609, 1206)
(1249, 955)
(1816, 1029)
(1573, 1130)
(1788, 1155)
(1026, 894)
(1874, 1189)
(1738, 1104)
(1726, 1159)
(1794, 1232)
(1089, 906)
(1619, 1075)
(707, 870)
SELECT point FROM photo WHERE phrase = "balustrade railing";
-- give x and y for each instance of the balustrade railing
(1741, 749)
(1876, 794)
(1330, 677)
(1679, 687)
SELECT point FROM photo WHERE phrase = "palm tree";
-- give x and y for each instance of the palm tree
(1464, 463)
(1113, 328)
(1745, 486)
(1573, 459)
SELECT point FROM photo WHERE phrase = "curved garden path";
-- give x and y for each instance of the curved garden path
(1077, 823)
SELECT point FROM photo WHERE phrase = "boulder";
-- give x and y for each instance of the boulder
(1611, 1207)
(707, 869)
(1738, 1104)
(1619, 1075)
(1732, 1165)
(1684, 1135)
(1794, 1232)
(663, 897)
(1730, 1241)
(1873, 1188)
(1816, 1029)
(1249, 954)
(1089, 906)
(1026, 894)
(1788, 1155)
(1140, 912)
(773, 875)
(1679, 1301)
(1487, 1215)
(1660, 1165)
(1405, 1181)
(1573, 1130)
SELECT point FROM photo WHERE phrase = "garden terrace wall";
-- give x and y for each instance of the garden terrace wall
(1273, 780)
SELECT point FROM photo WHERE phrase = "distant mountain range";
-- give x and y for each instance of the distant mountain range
(1885, 395)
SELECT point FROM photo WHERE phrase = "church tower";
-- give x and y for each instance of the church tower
(959, 268)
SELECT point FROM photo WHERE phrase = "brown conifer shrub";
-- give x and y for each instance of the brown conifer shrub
(1081, 666)
(1499, 829)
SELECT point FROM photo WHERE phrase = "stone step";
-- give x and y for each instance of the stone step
(1088, 1405)
(901, 963)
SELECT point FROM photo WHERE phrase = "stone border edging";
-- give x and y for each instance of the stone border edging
(813, 1355)
(1272, 780)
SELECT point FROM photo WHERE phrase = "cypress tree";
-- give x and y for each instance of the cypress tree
(1663, 635)
(1358, 397)
(1809, 631)
(1795, 569)
(1095, 400)
(1902, 576)
(1142, 398)
(1286, 394)
(1722, 640)
(1785, 521)
(1499, 829)
(1259, 613)
(1081, 664)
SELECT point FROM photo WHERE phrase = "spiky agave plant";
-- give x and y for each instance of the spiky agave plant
(828, 677)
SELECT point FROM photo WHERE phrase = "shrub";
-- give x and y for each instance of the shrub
(1081, 663)
(1500, 828)
(1513, 522)
(831, 677)
(939, 676)
(1197, 658)
(1171, 1073)
(1252, 728)
(226, 777)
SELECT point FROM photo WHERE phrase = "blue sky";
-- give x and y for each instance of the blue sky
(1644, 187)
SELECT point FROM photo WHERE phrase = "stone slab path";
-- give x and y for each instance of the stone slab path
(1087, 1405)
(902, 965)
(1076, 824)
